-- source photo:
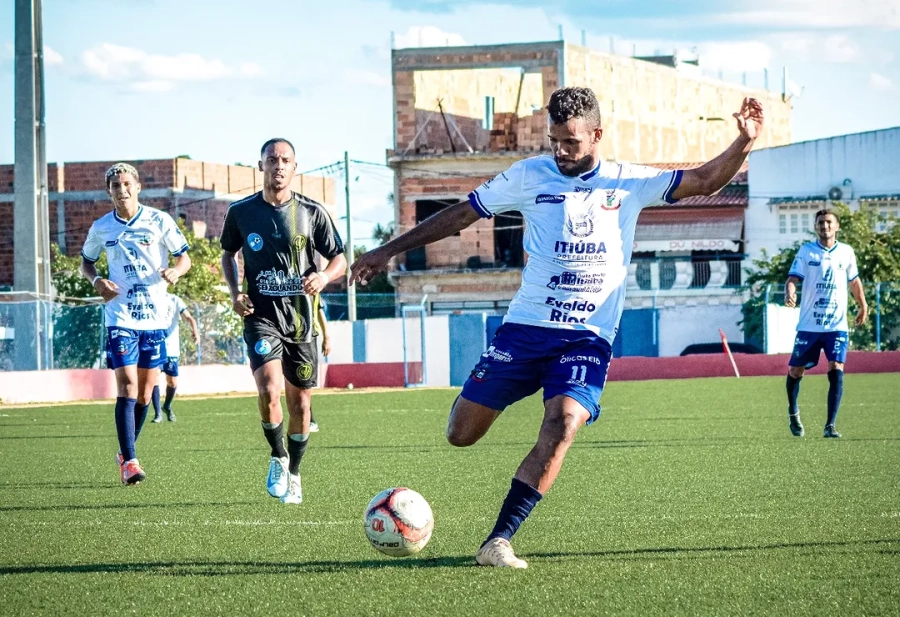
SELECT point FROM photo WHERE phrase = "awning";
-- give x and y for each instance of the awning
(688, 229)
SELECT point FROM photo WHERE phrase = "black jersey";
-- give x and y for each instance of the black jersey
(278, 245)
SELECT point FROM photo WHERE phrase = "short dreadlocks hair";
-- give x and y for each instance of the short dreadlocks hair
(568, 103)
(121, 168)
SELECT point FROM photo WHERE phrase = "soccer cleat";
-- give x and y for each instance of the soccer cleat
(830, 433)
(132, 473)
(497, 552)
(277, 482)
(313, 426)
(120, 460)
(170, 415)
(294, 493)
(796, 426)
(157, 418)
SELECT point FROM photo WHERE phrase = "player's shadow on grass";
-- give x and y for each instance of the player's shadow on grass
(240, 568)
(122, 506)
(23, 437)
(60, 485)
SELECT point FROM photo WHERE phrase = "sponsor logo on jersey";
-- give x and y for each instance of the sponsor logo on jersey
(580, 226)
(133, 270)
(584, 189)
(479, 373)
(255, 242)
(495, 354)
(582, 252)
(544, 198)
(568, 311)
(304, 371)
(112, 243)
(276, 234)
(815, 263)
(612, 202)
(574, 358)
(262, 347)
(137, 291)
(487, 184)
(572, 281)
(277, 283)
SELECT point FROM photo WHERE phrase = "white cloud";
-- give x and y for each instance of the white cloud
(427, 36)
(51, 56)
(882, 83)
(366, 78)
(735, 56)
(149, 72)
(814, 15)
(831, 48)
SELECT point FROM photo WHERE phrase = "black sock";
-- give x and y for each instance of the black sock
(140, 414)
(170, 394)
(275, 436)
(296, 449)
(835, 392)
(793, 391)
(155, 399)
(518, 504)
(312, 417)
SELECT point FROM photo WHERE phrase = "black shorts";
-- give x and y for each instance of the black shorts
(299, 360)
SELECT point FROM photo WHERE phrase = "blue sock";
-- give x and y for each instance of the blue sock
(125, 426)
(835, 392)
(793, 391)
(518, 504)
(156, 400)
(140, 414)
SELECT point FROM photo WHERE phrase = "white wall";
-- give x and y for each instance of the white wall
(341, 335)
(781, 328)
(685, 325)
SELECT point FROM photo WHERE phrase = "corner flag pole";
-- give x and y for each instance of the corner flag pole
(728, 353)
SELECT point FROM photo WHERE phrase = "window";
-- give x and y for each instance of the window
(642, 273)
(888, 212)
(667, 273)
(796, 220)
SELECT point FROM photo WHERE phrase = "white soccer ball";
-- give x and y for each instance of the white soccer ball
(398, 522)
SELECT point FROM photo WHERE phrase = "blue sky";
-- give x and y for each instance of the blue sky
(213, 79)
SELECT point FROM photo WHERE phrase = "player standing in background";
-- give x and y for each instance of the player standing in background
(826, 267)
(279, 232)
(321, 331)
(137, 240)
(175, 309)
(581, 214)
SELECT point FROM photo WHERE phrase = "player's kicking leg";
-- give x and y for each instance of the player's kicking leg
(269, 385)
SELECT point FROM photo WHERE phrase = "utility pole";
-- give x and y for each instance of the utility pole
(31, 227)
(348, 243)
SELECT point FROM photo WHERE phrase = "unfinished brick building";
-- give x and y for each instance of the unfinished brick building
(197, 191)
(464, 114)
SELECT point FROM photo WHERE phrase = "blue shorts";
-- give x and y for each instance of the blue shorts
(523, 359)
(170, 368)
(807, 346)
(126, 347)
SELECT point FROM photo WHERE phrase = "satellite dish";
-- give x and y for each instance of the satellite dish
(835, 193)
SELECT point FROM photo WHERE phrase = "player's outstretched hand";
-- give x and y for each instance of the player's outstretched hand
(107, 289)
(750, 118)
(242, 305)
(369, 264)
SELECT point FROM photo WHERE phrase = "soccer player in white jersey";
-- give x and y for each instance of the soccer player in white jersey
(581, 214)
(137, 240)
(827, 268)
(175, 310)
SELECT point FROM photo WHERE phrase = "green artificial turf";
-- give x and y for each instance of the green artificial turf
(687, 497)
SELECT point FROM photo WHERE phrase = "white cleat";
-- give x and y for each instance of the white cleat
(498, 553)
(277, 482)
(294, 493)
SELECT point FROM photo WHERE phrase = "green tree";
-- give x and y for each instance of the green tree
(78, 313)
(876, 240)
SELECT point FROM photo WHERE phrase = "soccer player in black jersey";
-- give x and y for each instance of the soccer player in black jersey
(279, 232)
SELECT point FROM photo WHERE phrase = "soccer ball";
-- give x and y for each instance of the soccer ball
(398, 522)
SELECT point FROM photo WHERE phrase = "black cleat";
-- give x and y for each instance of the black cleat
(170, 415)
(830, 433)
(157, 419)
(796, 426)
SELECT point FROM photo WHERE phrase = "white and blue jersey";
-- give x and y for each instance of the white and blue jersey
(579, 235)
(826, 274)
(175, 306)
(137, 251)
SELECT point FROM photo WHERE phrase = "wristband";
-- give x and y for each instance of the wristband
(94, 280)
(324, 276)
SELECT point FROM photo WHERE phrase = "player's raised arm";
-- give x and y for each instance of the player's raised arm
(710, 177)
(437, 227)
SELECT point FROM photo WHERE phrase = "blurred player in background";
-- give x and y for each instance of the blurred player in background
(176, 309)
(827, 268)
(137, 240)
(580, 214)
(279, 233)
(325, 348)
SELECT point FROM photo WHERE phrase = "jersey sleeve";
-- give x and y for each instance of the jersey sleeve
(326, 239)
(93, 245)
(852, 269)
(172, 236)
(798, 267)
(501, 193)
(231, 239)
(180, 306)
(653, 186)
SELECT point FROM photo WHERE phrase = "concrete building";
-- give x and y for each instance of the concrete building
(788, 184)
(199, 192)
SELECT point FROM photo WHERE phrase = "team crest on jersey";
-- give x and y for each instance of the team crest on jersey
(580, 226)
(612, 202)
(255, 242)
(304, 371)
(298, 242)
(263, 347)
